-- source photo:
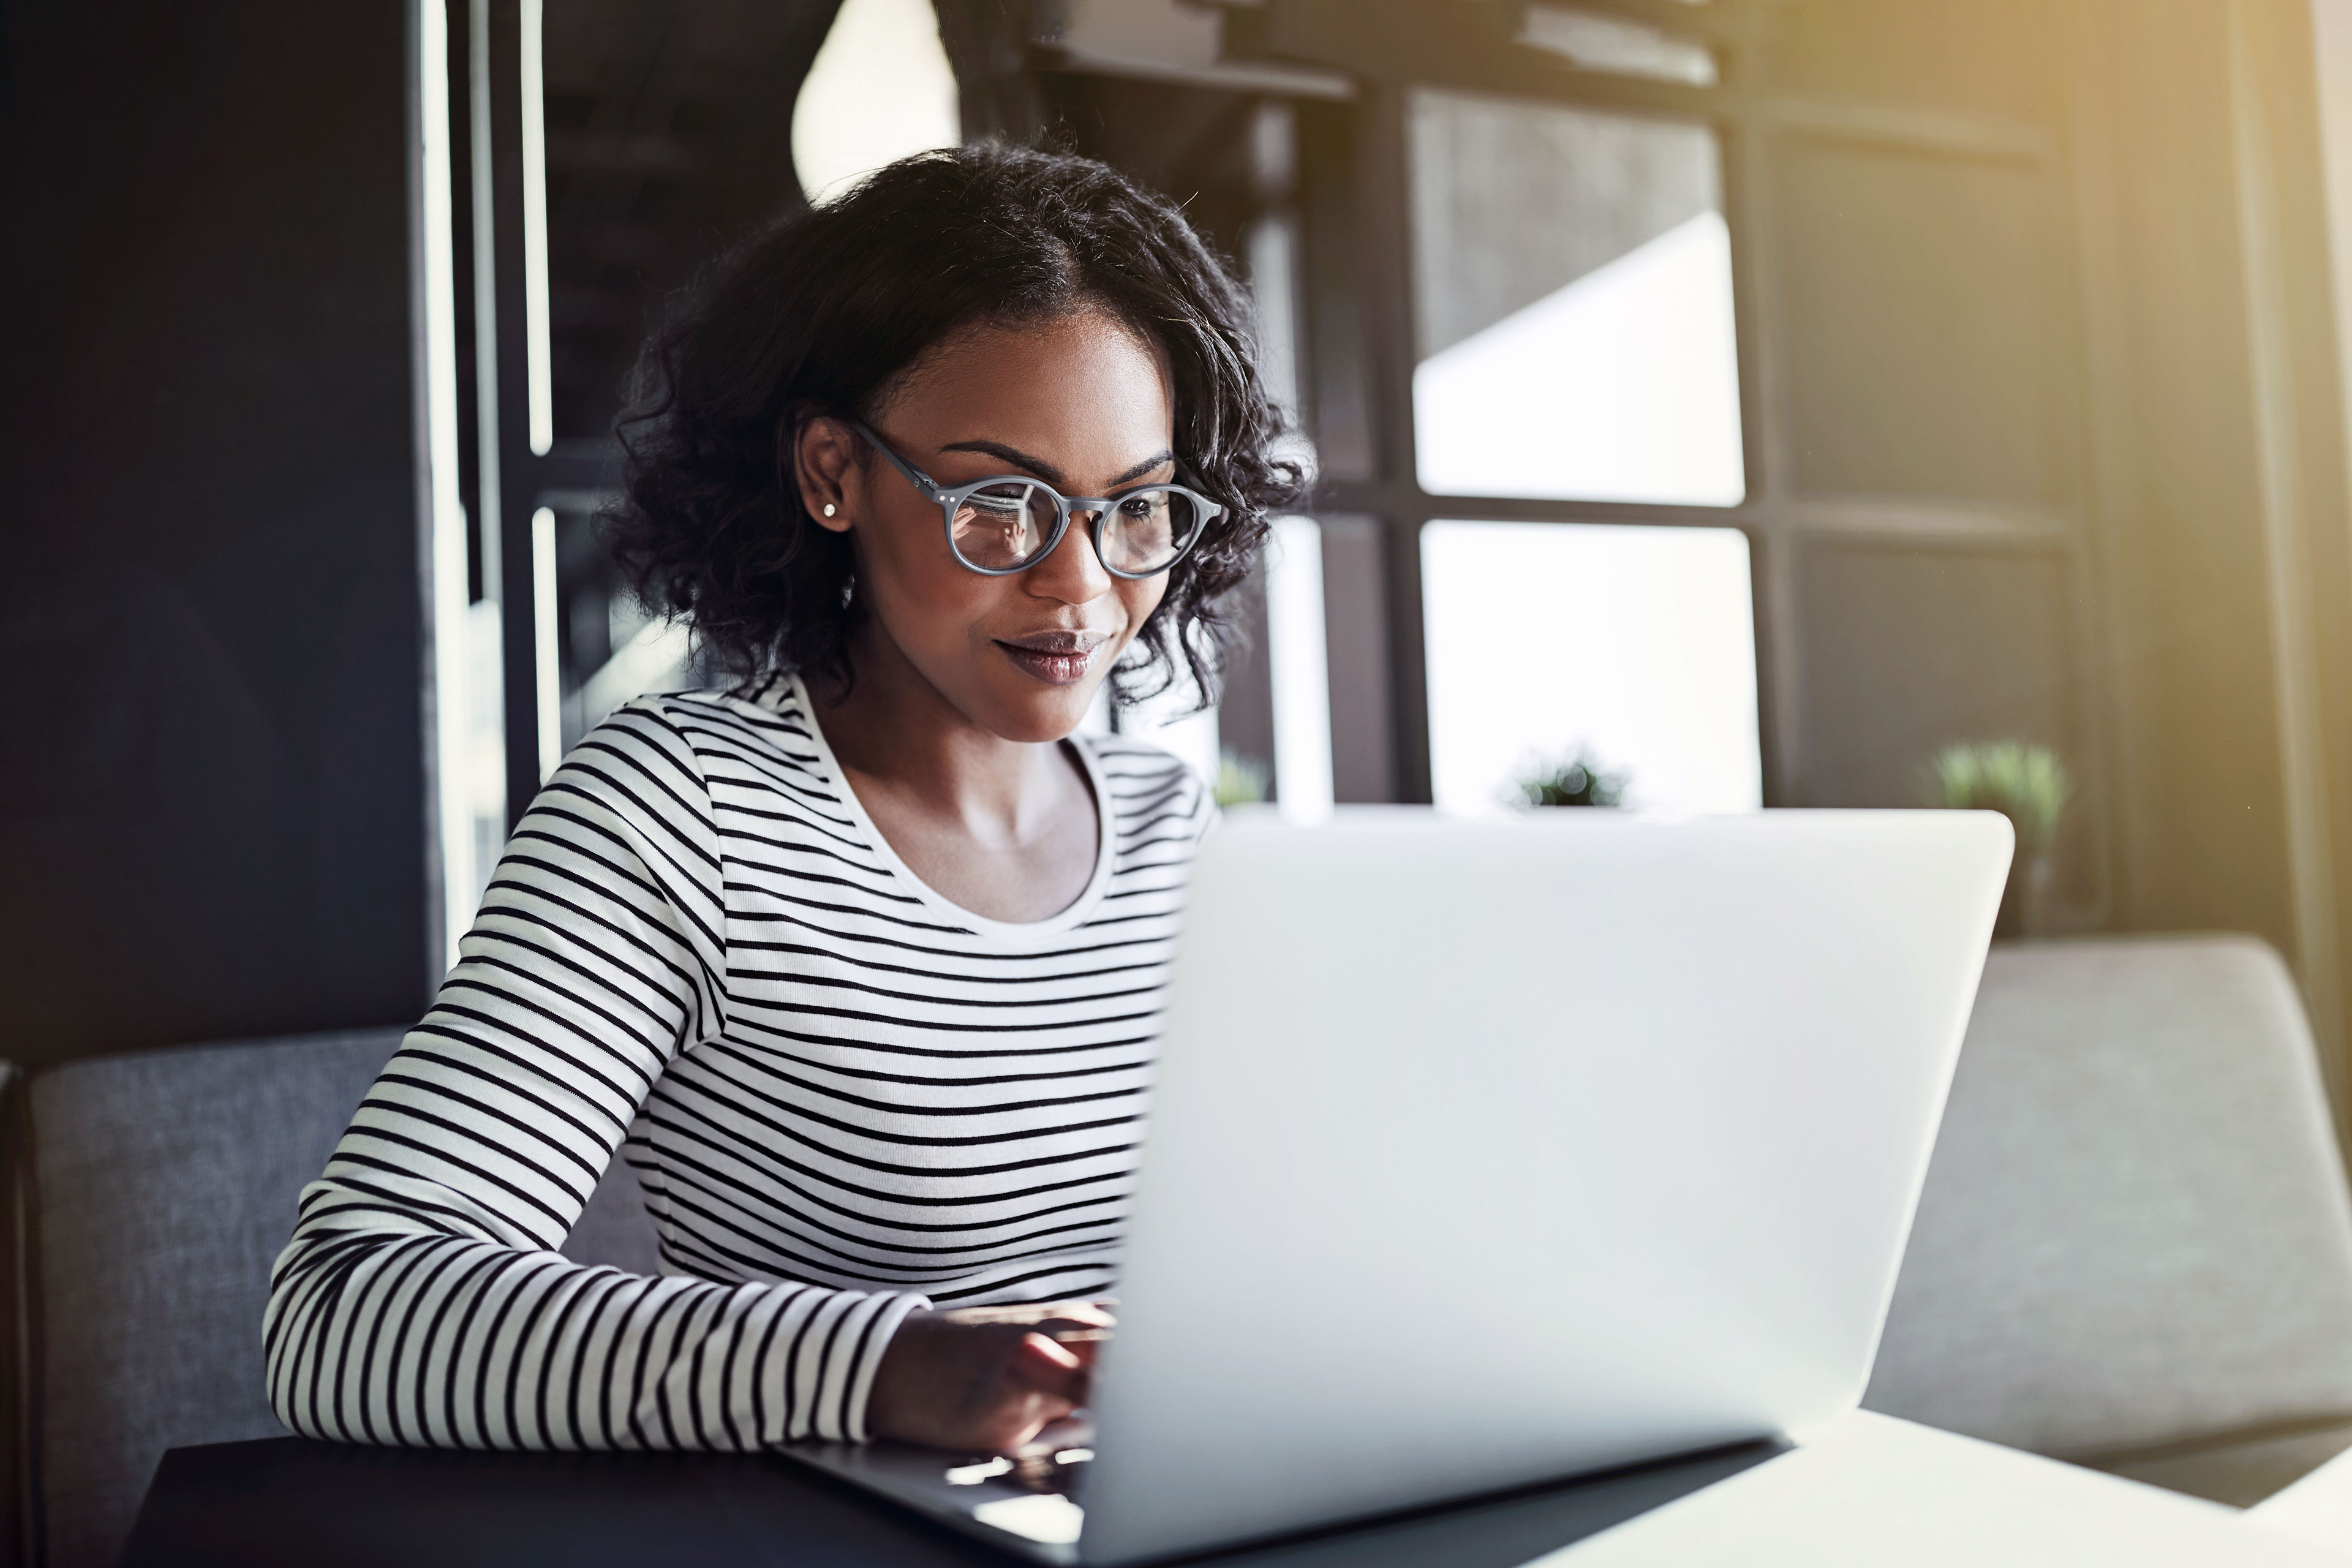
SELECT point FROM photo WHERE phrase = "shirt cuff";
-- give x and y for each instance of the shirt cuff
(889, 1312)
(820, 1373)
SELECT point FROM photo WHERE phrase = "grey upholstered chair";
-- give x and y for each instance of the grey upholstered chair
(159, 1188)
(2134, 1246)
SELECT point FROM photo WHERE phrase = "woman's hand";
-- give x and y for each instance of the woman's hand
(984, 1379)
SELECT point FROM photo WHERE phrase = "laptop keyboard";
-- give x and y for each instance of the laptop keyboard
(1051, 1463)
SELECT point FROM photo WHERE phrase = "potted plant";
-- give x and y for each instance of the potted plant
(1579, 779)
(2029, 785)
(1240, 781)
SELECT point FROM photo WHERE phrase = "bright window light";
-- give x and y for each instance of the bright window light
(879, 89)
(1635, 645)
(1572, 281)
(658, 657)
(451, 701)
(1602, 43)
(485, 748)
(538, 356)
(1300, 664)
(1624, 385)
(545, 605)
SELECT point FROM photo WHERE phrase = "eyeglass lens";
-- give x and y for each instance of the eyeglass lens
(1004, 527)
(1146, 530)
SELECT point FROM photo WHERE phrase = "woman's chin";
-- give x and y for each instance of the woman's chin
(1034, 712)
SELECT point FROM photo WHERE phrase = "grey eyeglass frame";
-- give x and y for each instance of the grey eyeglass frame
(949, 500)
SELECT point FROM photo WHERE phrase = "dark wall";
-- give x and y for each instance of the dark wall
(211, 814)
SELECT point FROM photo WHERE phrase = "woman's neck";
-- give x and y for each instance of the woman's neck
(918, 763)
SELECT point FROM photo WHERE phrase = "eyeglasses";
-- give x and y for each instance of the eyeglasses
(1006, 524)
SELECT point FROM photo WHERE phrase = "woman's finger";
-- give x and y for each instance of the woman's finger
(1044, 1368)
(1085, 1344)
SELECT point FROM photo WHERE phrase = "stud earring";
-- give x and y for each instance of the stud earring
(830, 508)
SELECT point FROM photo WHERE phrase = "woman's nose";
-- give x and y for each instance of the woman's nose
(1072, 572)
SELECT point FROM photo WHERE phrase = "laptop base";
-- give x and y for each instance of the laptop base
(1501, 1530)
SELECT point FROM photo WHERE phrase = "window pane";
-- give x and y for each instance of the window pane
(1635, 645)
(1573, 278)
(1298, 660)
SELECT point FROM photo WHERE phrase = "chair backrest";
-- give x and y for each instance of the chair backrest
(615, 1227)
(163, 1187)
(2135, 1229)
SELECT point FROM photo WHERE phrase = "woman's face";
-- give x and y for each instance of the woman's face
(1080, 402)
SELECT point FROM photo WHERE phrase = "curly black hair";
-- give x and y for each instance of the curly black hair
(822, 312)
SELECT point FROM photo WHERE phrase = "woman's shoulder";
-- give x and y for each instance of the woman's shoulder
(686, 741)
(1147, 786)
(760, 717)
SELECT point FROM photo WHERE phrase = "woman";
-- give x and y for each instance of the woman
(858, 962)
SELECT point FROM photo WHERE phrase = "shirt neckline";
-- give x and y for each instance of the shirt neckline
(1015, 933)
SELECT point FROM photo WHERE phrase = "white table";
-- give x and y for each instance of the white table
(2317, 1508)
(1872, 1490)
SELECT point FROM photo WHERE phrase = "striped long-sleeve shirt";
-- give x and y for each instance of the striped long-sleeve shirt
(844, 1096)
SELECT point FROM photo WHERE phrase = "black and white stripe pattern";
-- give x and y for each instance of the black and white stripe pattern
(844, 1097)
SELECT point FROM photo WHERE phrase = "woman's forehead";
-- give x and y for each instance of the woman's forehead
(994, 363)
(1084, 392)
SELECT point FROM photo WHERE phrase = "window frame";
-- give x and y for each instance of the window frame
(1390, 47)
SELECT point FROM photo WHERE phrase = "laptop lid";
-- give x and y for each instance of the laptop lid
(1484, 1153)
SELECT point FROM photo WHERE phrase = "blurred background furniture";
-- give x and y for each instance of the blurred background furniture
(149, 1194)
(2135, 1247)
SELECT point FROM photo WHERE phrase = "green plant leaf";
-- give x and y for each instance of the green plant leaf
(2026, 783)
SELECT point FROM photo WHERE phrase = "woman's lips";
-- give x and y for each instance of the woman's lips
(1057, 658)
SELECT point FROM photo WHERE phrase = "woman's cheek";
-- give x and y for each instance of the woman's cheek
(937, 593)
(1141, 599)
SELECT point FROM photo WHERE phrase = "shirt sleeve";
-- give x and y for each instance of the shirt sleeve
(422, 1301)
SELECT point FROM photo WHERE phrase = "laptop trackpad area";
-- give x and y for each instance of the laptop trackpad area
(1027, 1495)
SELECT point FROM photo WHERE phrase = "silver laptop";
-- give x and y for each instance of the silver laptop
(1490, 1153)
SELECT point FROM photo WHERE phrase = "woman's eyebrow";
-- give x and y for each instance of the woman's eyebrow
(1143, 467)
(1047, 471)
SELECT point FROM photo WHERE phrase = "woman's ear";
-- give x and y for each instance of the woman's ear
(825, 462)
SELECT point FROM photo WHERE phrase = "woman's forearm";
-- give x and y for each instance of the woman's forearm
(412, 1336)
